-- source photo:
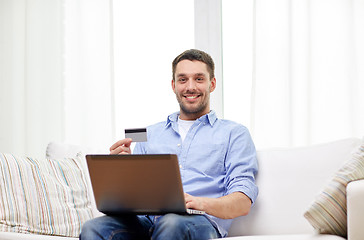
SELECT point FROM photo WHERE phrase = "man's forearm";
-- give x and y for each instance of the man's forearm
(230, 206)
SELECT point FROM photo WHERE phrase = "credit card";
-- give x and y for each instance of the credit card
(137, 134)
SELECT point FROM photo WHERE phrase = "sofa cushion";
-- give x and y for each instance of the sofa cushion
(56, 150)
(43, 196)
(327, 213)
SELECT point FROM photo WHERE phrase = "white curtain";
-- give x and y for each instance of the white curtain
(88, 105)
(304, 80)
(31, 83)
(291, 71)
(55, 74)
(80, 71)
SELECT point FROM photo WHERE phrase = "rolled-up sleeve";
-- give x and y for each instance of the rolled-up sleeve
(241, 164)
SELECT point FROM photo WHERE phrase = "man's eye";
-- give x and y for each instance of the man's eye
(182, 80)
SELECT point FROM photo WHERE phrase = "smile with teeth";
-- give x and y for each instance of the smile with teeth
(191, 97)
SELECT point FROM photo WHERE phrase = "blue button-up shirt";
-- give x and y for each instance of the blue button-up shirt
(216, 158)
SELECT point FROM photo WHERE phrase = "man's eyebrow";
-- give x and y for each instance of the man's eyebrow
(181, 75)
(200, 74)
(196, 74)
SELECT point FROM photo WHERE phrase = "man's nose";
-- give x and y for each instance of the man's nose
(191, 85)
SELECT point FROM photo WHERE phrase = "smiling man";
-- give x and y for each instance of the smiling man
(217, 163)
(192, 85)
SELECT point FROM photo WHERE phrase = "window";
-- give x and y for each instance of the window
(148, 35)
(237, 40)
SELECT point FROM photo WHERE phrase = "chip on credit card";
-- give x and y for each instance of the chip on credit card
(137, 134)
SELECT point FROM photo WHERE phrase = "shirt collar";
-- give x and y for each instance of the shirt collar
(208, 118)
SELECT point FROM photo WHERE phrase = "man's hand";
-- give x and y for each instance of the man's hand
(230, 206)
(196, 203)
(121, 147)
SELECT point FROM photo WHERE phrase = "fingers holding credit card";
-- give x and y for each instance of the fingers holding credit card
(131, 135)
(121, 147)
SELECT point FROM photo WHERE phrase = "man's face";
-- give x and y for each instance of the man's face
(192, 86)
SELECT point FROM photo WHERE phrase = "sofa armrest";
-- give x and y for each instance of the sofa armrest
(355, 209)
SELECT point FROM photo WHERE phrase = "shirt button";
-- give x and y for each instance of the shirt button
(178, 145)
(180, 166)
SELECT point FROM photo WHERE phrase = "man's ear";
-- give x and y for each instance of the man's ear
(212, 85)
(173, 83)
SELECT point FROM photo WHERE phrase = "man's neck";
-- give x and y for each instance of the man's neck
(191, 116)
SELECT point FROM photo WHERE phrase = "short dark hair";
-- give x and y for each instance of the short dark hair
(195, 55)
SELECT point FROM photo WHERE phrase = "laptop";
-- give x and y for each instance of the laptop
(137, 184)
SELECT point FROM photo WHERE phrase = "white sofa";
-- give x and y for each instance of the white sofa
(288, 180)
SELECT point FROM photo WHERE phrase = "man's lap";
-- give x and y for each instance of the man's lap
(169, 226)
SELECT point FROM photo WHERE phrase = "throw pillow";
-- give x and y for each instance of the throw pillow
(43, 196)
(327, 214)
